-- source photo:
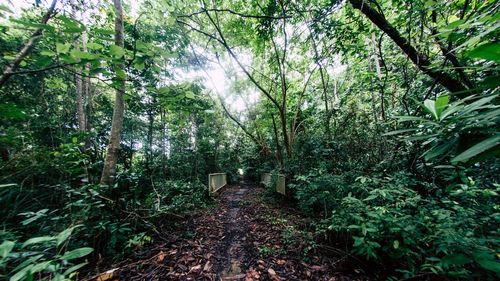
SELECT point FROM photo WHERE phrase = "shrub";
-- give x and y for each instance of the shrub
(453, 233)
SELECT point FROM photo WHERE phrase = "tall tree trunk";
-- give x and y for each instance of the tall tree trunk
(109, 169)
(324, 85)
(149, 142)
(87, 97)
(28, 46)
(379, 76)
(279, 155)
(79, 79)
(163, 144)
(419, 59)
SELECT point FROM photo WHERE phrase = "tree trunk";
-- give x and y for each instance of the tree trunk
(109, 169)
(163, 144)
(379, 76)
(28, 46)
(149, 142)
(279, 155)
(324, 85)
(79, 80)
(420, 60)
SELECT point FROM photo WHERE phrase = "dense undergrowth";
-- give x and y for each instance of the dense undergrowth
(50, 228)
(439, 218)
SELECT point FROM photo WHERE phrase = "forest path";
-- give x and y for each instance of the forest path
(244, 237)
(234, 242)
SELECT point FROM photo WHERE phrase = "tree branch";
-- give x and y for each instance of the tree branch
(28, 46)
(420, 60)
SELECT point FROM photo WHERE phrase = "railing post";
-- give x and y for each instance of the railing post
(216, 181)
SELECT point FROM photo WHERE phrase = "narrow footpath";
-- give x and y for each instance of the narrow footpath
(241, 238)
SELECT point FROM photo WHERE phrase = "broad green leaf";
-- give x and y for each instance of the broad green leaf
(439, 149)
(430, 106)
(120, 73)
(40, 266)
(38, 240)
(399, 132)
(62, 48)
(21, 273)
(82, 55)
(492, 265)
(74, 268)
(441, 104)
(139, 66)
(475, 39)
(6, 247)
(103, 31)
(77, 253)
(488, 51)
(33, 25)
(27, 262)
(63, 236)
(189, 95)
(420, 137)
(43, 61)
(454, 24)
(116, 51)
(48, 53)
(455, 259)
(477, 149)
(412, 118)
(143, 46)
(477, 104)
(452, 108)
(71, 25)
(95, 46)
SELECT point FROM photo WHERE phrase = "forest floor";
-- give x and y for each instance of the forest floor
(243, 237)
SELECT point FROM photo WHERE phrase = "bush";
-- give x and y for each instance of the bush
(178, 196)
(453, 233)
(318, 192)
(46, 257)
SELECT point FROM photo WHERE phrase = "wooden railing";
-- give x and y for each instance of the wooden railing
(216, 181)
(280, 182)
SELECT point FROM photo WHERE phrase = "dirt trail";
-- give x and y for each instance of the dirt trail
(242, 238)
(234, 243)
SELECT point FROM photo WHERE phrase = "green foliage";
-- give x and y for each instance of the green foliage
(178, 197)
(452, 233)
(42, 257)
(317, 192)
(463, 130)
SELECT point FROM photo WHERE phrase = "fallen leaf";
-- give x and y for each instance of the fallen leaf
(317, 268)
(160, 256)
(271, 272)
(195, 269)
(207, 266)
(106, 275)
